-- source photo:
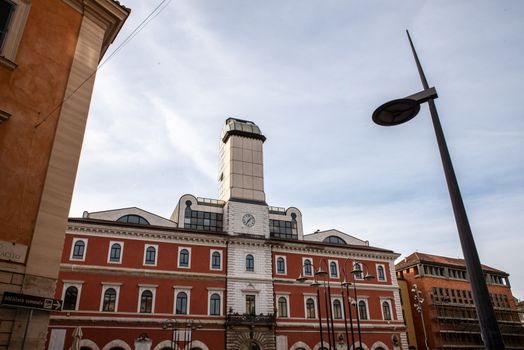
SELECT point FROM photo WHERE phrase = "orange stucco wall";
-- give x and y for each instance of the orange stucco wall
(32, 93)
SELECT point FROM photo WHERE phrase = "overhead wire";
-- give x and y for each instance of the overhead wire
(152, 15)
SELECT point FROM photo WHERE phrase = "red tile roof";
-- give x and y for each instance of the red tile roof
(418, 257)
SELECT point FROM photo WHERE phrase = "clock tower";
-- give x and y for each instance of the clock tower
(241, 179)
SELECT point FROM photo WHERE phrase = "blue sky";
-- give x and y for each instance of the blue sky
(310, 74)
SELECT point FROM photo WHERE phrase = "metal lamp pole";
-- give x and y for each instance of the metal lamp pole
(345, 283)
(327, 299)
(399, 111)
(418, 307)
(366, 277)
(315, 284)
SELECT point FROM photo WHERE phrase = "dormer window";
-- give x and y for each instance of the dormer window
(133, 219)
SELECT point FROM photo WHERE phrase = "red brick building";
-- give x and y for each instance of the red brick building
(222, 274)
(448, 310)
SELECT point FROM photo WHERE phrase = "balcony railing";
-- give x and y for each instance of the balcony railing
(250, 320)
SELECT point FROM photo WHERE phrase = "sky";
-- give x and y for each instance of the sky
(310, 74)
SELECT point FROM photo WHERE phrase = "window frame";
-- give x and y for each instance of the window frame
(211, 252)
(387, 301)
(246, 304)
(220, 293)
(78, 285)
(286, 298)
(84, 253)
(180, 249)
(188, 301)
(15, 30)
(252, 267)
(141, 290)
(146, 246)
(337, 275)
(333, 308)
(105, 287)
(111, 243)
(277, 258)
(385, 279)
(365, 301)
(306, 298)
(304, 267)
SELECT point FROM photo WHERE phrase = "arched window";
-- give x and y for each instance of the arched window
(362, 310)
(380, 273)
(146, 302)
(114, 254)
(334, 240)
(133, 219)
(250, 263)
(333, 271)
(386, 310)
(214, 304)
(308, 271)
(281, 265)
(215, 260)
(337, 309)
(109, 300)
(310, 308)
(150, 255)
(183, 259)
(78, 250)
(358, 270)
(70, 296)
(181, 303)
(282, 307)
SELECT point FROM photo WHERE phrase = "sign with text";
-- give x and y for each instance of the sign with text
(13, 252)
(31, 302)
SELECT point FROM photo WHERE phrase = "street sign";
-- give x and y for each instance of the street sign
(31, 302)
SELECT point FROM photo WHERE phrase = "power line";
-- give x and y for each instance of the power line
(152, 15)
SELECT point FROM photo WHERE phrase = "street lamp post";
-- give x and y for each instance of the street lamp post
(358, 270)
(417, 295)
(402, 110)
(327, 295)
(345, 283)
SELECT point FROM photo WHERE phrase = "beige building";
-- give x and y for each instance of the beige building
(49, 52)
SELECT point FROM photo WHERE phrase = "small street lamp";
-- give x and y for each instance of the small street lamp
(402, 110)
(417, 295)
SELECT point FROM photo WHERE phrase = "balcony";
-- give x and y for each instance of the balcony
(250, 320)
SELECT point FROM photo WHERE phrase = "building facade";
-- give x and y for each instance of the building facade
(226, 273)
(49, 52)
(447, 309)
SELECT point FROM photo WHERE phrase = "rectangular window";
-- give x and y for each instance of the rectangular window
(13, 16)
(250, 305)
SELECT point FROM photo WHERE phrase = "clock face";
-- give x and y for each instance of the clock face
(248, 220)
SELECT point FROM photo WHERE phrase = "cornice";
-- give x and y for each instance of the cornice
(108, 14)
(145, 234)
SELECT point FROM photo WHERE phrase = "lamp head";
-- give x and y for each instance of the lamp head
(320, 272)
(396, 112)
(301, 278)
(368, 277)
(315, 284)
(345, 283)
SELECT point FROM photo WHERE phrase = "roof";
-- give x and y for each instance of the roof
(241, 127)
(418, 257)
